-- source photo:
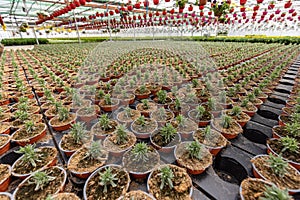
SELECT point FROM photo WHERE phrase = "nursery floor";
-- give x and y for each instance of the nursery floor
(221, 181)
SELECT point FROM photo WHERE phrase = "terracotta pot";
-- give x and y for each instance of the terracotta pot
(5, 147)
(4, 184)
(270, 150)
(61, 187)
(65, 126)
(32, 139)
(97, 172)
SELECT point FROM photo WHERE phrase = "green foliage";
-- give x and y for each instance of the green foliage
(63, 114)
(104, 122)
(166, 175)
(277, 165)
(78, 132)
(121, 134)
(162, 96)
(195, 149)
(275, 193)
(290, 144)
(108, 178)
(30, 126)
(226, 121)
(140, 152)
(200, 111)
(236, 111)
(141, 120)
(168, 132)
(145, 103)
(95, 150)
(107, 99)
(293, 129)
(40, 180)
(29, 155)
(27, 41)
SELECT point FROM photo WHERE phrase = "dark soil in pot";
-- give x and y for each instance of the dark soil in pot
(95, 191)
(27, 190)
(277, 146)
(158, 140)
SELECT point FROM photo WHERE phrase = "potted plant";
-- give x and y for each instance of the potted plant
(120, 141)
(4, 143)
(227, 126)
(33, 160)
(87, 114)
(143, 127)
(136, 194)
(4, 116)
(290, 130)
(106, 183)
(146, 107)
(162, 98)
(126, 98)
(276, 170)
(165, 139)
(142, 92)
(87, 159)
(287, 147)
(105, 126)
(253, 99)
(5, 128)
(140, 160)
(247, 107)
(42, 183)
(5, 196)
(109, 104)
(63, 121)
(162, 116)
(127, 116)
(75, 139)
(5, 177)
(184, 126)
(178, 107)
(63, 196)
(29, 133)
(170, 182)
(238, 115)
(213, 107)
(211, 139)
(200, 115)
(253, 188)
(193, 156)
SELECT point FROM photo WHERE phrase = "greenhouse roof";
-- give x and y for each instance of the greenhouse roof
(16, 12)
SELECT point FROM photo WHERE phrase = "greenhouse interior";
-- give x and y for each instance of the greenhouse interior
(150, 100)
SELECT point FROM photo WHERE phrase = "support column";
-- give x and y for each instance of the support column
(36, 39)
(77, 31)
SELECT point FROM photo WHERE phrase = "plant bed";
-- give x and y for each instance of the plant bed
(108, 182)
(170, 181)
(40, 184)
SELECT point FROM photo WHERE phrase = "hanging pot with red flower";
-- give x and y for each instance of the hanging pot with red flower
(164, 12)
(259, 1)
(255, 8)
(201, 7)
(111, 12)
(190, 8)
(156, 2)
(277, 11)
(294, 14)
(129, 7)
(231, 10)
(291, 10)
(265, 12)
(146, 3)
(283, 14)
(137, 5)
(82, 2)
(117, 11)
(242, 9)
(72, 5)
(150, 14)
(243, 2)
(157, 13)
(201, 13)
(209, 13)
(288, 4)
(271, 5)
